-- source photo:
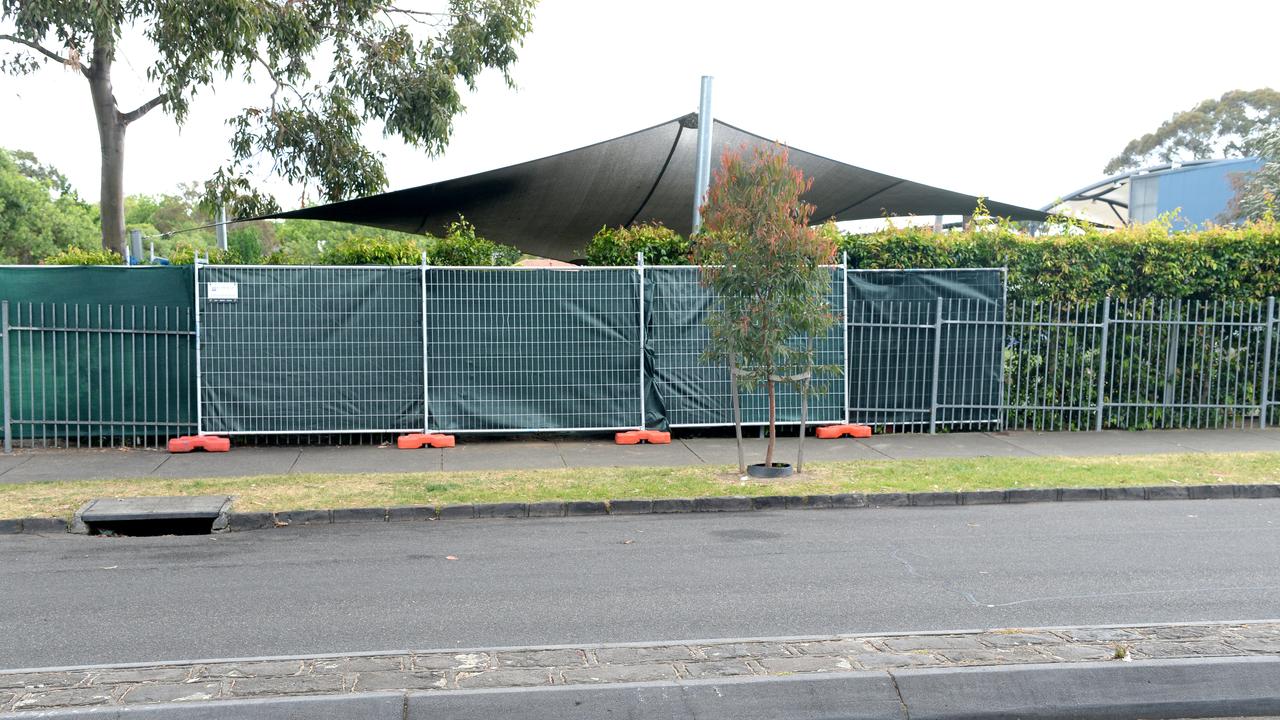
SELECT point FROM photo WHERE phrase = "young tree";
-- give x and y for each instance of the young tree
(763, 261)
(1233, 125)
(383, 62)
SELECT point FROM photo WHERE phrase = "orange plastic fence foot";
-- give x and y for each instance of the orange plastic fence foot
(635, 437)
(830, 432)
(208, 443)
(413, 441)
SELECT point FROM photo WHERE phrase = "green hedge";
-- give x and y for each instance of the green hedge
(1231, 263)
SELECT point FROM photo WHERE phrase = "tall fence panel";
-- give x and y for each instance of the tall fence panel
(84, 375)
(1140, 364)
(316, 351)
(696, 393)
(533, 349)
(298, 350)
(891, 361)
(1052, 364)
(1180, 363)
(925, 348)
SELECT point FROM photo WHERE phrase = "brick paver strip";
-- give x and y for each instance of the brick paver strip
(442, 670)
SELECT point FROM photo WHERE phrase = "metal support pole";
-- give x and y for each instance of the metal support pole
(1266, 362)
(844, 329)
(422, 280)
(135, 247)
(1170, 359)
(640, 273)
(8, 410)
(195, 268)
(1102, 362)
(737, 413)
(220, 230)
(804, 405)
(702, 171)
(937, 360)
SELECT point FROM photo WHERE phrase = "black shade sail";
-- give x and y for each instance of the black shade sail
(552, 206)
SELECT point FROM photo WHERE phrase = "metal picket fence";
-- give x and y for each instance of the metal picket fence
(1139, 364)
(956, 364)
(86, 375)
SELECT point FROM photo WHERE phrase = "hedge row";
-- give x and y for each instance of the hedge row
(1234, 263)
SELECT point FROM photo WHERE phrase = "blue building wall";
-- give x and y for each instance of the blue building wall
(1201, 193)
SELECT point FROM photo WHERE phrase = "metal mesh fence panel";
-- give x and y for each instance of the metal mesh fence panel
(696, 393)
(310, 349)
(82, 375)
(533, 349)
(925, 348)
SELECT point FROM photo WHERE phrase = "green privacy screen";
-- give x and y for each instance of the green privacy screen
(899, 321)
(693, 392)
(533, 349)
(107, 355)
(99, 356)
(310, 349)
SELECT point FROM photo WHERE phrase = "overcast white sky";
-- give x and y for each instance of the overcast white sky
(1019, 101)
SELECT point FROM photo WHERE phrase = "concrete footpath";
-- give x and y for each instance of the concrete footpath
(1110, 671)
(486, 453)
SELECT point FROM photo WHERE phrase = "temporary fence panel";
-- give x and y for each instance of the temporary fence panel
(86, 375)
(696, 393)
(300, 350)
(925, 348)
(526, 349)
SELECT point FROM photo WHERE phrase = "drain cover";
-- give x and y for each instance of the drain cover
(112, 511)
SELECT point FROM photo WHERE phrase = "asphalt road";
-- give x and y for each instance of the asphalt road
(75, 600)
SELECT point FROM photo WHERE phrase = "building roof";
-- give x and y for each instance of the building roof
(1107, 201)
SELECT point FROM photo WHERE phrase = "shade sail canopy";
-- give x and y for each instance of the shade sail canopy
(552, 206)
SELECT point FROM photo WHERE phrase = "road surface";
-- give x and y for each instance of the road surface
(68, 600)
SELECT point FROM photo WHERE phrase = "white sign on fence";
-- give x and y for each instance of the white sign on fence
(224, 291)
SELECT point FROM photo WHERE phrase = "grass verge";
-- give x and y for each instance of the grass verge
(322, 491)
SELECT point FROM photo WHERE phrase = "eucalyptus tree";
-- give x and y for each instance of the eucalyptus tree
(327, 68)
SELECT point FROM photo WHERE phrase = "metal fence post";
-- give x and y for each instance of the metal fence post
(1102, 362)
(1265, 400)
(4, 340)
(195, 269)
(640, 273)
(844, 328)
(937, 360)
(426, 410)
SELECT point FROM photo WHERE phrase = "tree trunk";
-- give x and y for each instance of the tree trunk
(111, 127)
(773, 428)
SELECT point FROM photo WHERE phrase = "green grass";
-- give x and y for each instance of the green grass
(319, 491)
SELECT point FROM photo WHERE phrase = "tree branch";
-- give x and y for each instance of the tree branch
(38, 48)
(141, 110)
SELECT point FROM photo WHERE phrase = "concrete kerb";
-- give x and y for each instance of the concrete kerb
(241, 521)
(1195, 687)
(366, 706)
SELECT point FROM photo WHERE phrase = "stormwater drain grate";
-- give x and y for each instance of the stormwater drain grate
(151, 516)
